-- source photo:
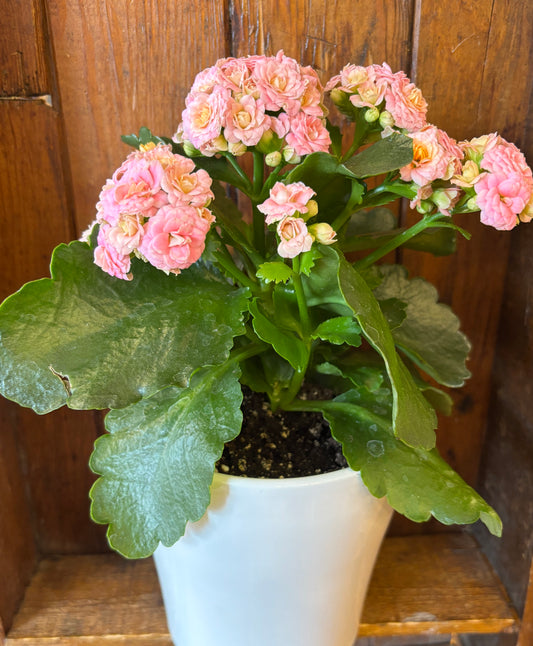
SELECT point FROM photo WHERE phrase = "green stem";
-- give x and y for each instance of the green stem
(247, 351)
(258, 217)
(348, 210)
(224, 259)
(240, 172)
(300, 296)
(361, 129)
(397, 241)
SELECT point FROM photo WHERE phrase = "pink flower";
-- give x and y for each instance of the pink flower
(507, 187)
(431, 159)
(110, 259)
(137, 186)
(174, 239)
(406, 103)
(126, 236)
(500, 198)
(246, 121)
(308, 134)
(184, 186)
(286, 200)
(280, 82)
(294, 237)
(204, 116)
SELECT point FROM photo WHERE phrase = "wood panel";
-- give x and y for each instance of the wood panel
(421, 585)
(323, 34)
(122, 65)
(24, 67)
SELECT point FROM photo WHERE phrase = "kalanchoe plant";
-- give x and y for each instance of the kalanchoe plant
(174, 300)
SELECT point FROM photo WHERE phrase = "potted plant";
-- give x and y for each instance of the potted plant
(247, 255)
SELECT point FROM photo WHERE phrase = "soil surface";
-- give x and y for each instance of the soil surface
(280, 444)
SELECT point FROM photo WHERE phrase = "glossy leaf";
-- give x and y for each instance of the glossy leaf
(339, 330)
(414, 420)
(384, 156)
(284, 342)
(416, 482)
(90, 340)
(158, 460)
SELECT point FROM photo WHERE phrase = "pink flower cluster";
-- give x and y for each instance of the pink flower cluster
(239, 102)
(376, 86)
(155, 207)
(504, 189)
(283, 206)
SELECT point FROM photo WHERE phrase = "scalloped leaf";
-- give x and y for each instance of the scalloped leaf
(274, 272)
(89, 340)
(157, 462)
(417, 483)
(429, 333)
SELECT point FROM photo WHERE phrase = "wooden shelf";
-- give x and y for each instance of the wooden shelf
(436, 584)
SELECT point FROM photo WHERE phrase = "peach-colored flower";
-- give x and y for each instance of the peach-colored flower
(431, 160)
(469, 175)
(294, 237)
(286, 200)
(126, 236)
(174, 239)
(204, 116)
(405, 103)
(280, 82)
(308, 134)
(184, 186)
(246, 121)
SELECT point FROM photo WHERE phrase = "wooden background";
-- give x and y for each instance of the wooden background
(75, 75)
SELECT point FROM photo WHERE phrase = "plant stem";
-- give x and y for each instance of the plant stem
(240, 172)
(258, 218)
(226, 262)
(397, 241)
(347, 211)
(300, 296)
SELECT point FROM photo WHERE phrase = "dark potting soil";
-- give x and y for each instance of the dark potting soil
(280, 444)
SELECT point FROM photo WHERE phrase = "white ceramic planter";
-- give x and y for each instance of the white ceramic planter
(274, 563)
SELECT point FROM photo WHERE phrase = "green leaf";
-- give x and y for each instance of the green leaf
(339, 330)
(90, 340)
(274, 272)
(386, 155)
(414, 420)
(284, 342)
(417, 483)
(158, 460)
(307, 260)
(429, 334)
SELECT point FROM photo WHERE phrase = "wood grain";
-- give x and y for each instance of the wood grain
(122, 65)
(421, 585)
(24, 69)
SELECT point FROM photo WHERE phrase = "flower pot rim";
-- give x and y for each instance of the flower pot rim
(345, 473)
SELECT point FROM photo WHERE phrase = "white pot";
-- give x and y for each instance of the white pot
(274, 563)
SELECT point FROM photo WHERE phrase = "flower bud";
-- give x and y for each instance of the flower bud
(425, 206)
(386, 120)
(273, 159)
(312, 209)
(189, 149)
(527, 213)
(444, 198)
(237, 149)
(268, 143)
(323, 233)
(471, 205)
(290, 156)
(371, 114)
(338, 96)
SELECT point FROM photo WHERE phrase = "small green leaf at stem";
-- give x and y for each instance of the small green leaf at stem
(276, 272)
